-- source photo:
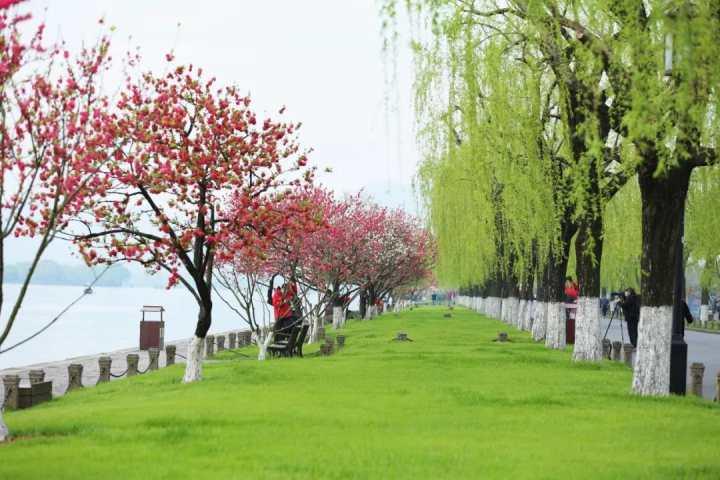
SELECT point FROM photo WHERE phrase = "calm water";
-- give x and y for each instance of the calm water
(104, 321)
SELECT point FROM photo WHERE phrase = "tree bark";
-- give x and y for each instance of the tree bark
(704, 306)
(588, 252)
(555, 291)
(193, 367)
(663, 206)
(338, 316)
(539, 328)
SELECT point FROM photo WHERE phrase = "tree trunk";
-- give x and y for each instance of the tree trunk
(193, 367)
(588, 252)
(555, 295)
(704, 306)
(316, 322)
(338, 317)
(363, 302)
(539, 327)
(663, 206)
(264, 343)
(4, 432)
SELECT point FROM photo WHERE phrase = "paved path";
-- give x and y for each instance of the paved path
(702, 347)
(57, 371)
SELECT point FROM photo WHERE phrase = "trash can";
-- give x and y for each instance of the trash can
(152, 332)
(570, 310)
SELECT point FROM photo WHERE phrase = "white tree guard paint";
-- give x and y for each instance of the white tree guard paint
(704, 314)
(588, 342)
(193, 367)
(504, 310)
(496, 308)
(338, 319)
(514, 311)
(651, 374)
(555, 333)
(539, 328)
(529, 313)
(263, 344)
(522, 306)
(4, 432)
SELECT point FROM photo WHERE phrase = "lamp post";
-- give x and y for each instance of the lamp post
(678, 347)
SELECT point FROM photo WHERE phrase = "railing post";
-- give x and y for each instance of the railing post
(627, 354)
(153, 357)
(232, 340)
(170, 355)
(697, 370)
(607, 348)
(104, 363)
(209, 346)
(132, 364)
(220, 343)
(616, 347)
(74, 377)
(12, 384)
(36, 376)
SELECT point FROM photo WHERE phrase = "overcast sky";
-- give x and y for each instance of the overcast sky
(320, 58)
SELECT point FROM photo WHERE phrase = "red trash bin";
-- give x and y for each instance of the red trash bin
(152, 332)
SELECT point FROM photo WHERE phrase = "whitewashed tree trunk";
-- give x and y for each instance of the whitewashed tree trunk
(588, 344)
(522, 306)
(315, 325)
(338, 319)
(651, 375)
(704, 314)
(529, 314)
(503, 310)
(514, 311)
(193, 367)
(539, 328)
(4, 432)
(555, 334)
(263, 344)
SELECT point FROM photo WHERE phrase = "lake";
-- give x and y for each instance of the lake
(104, 321)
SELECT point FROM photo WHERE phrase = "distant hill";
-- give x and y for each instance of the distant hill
(49, 272)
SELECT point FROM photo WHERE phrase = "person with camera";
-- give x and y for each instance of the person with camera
(630, 304)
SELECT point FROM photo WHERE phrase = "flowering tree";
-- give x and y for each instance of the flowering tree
(273, 247)
(183, 148)
(51, 141)
(402, 253)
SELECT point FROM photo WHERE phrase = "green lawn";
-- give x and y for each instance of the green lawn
(450, 404)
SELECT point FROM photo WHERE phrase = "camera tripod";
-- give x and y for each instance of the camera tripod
(615, 315)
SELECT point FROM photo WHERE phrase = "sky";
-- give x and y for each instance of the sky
(322, 59)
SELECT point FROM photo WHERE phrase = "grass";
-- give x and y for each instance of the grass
(450, 404)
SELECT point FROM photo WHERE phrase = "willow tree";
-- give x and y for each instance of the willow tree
(622, 239)
(483, 177)
(702, 234)
(558, 36)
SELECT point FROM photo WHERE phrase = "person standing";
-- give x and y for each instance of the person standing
(571, 290)
(283, 300)
(630, 304)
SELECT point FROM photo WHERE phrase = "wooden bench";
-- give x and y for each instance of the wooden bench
(297, 350)
(285, 348)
